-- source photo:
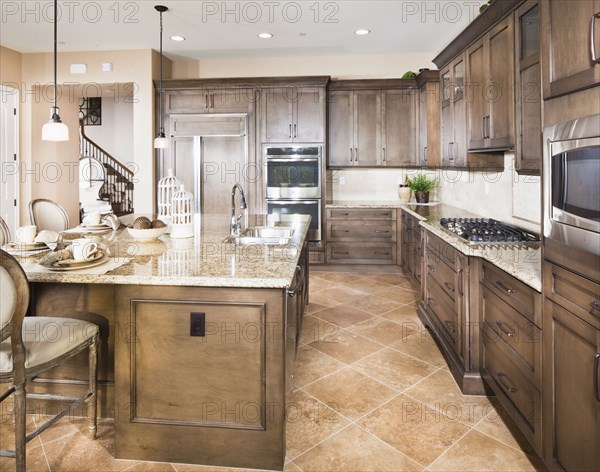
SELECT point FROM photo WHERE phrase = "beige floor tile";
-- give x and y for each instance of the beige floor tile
(389, 279)
(340, 294)
(318, 285)
(394, 369)
(350, 393)
(319, 300)
(346, 347)
(380, 330)
(343, 315)
(375, 304)
(291, 467)
(440, 391)
(422, 346)
(413, 428)
(410, 285)
(338, 277)
(500, 426)
(400, 295)
(405, 314)
(308, 423)
(316, 329)
(353, 449)
(78, 452)
(368, 285)
(151, 467)
(35, 461)
(476, 452)
(7, 430)
(67, 425)
(212, 468)
(312, 364)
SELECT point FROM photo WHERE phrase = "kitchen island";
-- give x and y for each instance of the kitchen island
(198, 342)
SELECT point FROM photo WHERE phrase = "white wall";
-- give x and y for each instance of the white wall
(115, 134)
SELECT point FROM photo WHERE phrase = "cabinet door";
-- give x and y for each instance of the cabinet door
(399, 125)
(571, 398)
(339, 129)
(309, 115)
(367, 125)
(239, 100)
(277, 114)
(566, 51)
(422, 127)
(446, 117)
(477, 109)
(187, 101)
(459, 110)
(528, 116)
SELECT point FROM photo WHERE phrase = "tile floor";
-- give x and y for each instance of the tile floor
(373, 394)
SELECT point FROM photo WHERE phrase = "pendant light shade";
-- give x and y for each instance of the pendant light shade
(55, 129)
(161, 142)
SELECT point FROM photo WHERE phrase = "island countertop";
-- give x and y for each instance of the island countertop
(202, 261)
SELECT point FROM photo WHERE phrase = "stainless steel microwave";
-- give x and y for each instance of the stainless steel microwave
(571, 184)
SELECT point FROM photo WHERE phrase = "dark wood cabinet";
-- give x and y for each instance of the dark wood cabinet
(361, 236)
(429, 118)
(412, 247)
(490, 105)
(569, 29)
(528, 95)
(293, 114)
(453, 114)
(571, 409)
(370, 125)
(210, 100)
(511, 354)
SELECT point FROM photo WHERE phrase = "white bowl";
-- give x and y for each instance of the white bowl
(146, 234)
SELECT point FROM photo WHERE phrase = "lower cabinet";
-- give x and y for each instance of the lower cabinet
(445, 311)
(361, 236)
(571, 409)
(511, 354)
(412, 247)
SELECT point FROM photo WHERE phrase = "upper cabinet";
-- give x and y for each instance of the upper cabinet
(528, 97)
(429, 118)
(210, 100)
(293, 114)
(570, 46)
(453, 114)
(490, 79)
(372, 124)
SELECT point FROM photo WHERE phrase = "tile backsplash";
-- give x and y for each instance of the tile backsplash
(506, 196)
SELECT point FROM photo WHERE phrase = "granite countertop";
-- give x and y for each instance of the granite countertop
(522, 262)
(202, 261)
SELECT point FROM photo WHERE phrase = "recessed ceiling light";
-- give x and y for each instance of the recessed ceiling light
(265, 35)
(362, 32)
(177, 38)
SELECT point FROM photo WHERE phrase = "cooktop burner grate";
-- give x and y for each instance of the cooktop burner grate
(487, 230)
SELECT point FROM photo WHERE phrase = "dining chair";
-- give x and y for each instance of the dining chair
(30, 345)
(4, 232)
(46, 214)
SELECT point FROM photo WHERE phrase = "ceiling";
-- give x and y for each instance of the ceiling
(216, 29)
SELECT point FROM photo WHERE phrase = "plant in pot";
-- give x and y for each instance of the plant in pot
(421, 186)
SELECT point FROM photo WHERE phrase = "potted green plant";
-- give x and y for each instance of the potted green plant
(421, 185)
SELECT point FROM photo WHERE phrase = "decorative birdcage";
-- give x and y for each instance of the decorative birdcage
(167, 187)
(182, 214)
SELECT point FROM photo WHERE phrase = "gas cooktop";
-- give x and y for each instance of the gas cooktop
(487, 230)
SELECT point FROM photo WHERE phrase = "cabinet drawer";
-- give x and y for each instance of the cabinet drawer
(441, 250)
(507, 379)
(442, 307)
(362, 230)
(503, 324)
(442, 274)
(512, 291)
(361, 213)
(362, 253)
(577, 294)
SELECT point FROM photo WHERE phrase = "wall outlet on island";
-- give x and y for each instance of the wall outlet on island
(342, 180)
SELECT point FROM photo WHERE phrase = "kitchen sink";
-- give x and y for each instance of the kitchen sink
(262, 235)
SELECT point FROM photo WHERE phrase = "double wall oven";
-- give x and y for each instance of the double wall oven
(293, 183)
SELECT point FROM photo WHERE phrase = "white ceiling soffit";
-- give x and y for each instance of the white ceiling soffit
(217, 29)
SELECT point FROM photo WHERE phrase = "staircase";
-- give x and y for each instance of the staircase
(118, 179)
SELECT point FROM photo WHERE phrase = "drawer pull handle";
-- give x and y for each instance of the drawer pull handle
(385, 213)
(431, 269)
(450, 326)
(501, 377)
(505, 330)
(595, 305)
(507, 289)
(460, 282)
(382, 253)
(449, 286)
(596, 392)
(380, 231)
(340, 253)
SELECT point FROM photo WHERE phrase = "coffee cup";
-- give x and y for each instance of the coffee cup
(26, 234)
(92, 219)
(83, 249)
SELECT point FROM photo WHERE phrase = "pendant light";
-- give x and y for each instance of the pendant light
(55, 129)
(161, 142)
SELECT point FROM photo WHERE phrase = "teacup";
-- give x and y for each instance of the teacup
(26, 234)
(92, 219)
(83, 249)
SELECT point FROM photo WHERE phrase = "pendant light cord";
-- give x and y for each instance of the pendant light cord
(55, 51)
(161, 130)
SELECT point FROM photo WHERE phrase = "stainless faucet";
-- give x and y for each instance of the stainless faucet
(235, 220)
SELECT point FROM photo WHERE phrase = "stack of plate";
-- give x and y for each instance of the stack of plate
(25, 249)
